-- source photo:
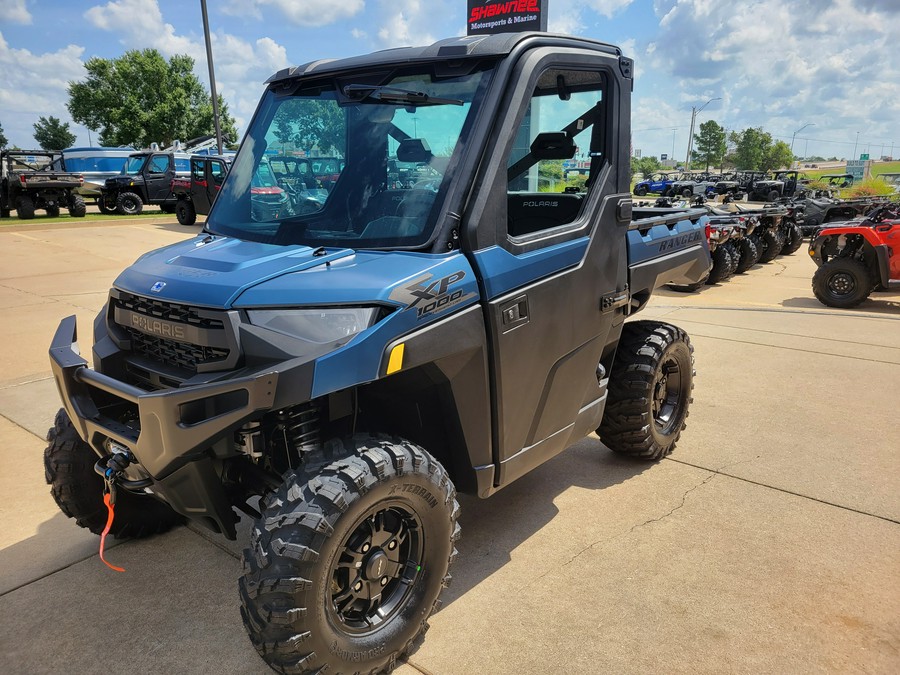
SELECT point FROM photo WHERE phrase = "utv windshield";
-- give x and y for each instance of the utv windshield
(353, 133)
(134, 165)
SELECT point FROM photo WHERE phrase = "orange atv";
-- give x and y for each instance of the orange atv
(857, 257)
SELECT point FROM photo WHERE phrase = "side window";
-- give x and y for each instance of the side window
(198, 171)
(159, 164)
(560, 141)
(218, 172)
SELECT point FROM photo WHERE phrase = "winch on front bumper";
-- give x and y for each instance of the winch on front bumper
(175, 432)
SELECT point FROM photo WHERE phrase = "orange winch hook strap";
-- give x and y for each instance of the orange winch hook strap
(107, 499)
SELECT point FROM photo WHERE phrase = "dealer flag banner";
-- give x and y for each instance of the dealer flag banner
(506, 16)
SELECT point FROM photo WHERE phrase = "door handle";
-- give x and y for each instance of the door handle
(514, 313)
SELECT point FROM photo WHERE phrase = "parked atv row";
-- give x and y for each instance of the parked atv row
(741, 237)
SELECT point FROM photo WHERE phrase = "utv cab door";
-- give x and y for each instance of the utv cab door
(158, 177)
(554, 278)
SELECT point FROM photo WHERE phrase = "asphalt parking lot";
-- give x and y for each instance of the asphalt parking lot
(768, 542)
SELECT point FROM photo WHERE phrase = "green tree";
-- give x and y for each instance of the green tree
(644, 165)
(306, 124)
(141, 97)
(777, 156)
(52, 134)
(3, 140)
(750, 147)
(710, 144)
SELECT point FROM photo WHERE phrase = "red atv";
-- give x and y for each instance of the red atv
(857, 257)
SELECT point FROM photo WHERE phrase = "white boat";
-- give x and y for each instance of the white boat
(96, 164)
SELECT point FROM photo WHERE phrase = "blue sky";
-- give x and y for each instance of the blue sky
(779, 64)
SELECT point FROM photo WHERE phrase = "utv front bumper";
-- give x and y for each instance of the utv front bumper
(177, 428)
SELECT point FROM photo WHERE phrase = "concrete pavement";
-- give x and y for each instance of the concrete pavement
(768, 542)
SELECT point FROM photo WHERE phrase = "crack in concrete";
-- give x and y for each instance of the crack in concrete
(648, 522)
(783, 268)
(683, 500)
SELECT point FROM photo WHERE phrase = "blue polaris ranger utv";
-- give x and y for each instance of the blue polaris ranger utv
(338, 370)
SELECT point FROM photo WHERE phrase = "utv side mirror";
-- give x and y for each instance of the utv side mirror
(553, 145)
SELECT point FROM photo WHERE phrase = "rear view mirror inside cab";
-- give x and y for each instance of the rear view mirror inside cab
(553, 145)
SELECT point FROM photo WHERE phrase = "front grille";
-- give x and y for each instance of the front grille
(179, 354)
(166, 310)
(207, 343)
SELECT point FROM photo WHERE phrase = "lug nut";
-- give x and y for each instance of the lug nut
(392, 545)
(358, 586)
(384, 581)
(365, 548)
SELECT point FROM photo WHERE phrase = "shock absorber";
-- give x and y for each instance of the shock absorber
(299, 428)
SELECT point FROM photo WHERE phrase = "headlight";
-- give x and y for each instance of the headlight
(315, 325)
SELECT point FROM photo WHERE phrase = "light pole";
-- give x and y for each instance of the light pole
(808, 124)
(694, 111)
(854, 145)
(212, 78)
(673, 145)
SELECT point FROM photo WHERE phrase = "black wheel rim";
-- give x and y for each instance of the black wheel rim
(668, 395)
(841, 284)
(376, 568)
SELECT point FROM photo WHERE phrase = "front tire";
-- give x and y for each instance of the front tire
(78, 490)
(650, 390)
(842, 283)
(346, 565)
(129, 204)
(641, 190)
(185, 212)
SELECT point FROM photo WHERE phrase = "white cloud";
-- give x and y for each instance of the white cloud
(780, 64)
(38, 90)
(405, 23)
(607, 8)
(139, 23)
(306, 12)
(15, 11)
(241, 66)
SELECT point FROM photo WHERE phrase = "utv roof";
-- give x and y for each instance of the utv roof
(457, 47)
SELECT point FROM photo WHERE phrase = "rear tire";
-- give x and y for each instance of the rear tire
(185, 212)
(104, 209)
(794, 240)
(25, 207)
(748, 255)
(77, 207)
(129, 204)
(687, 192)
(78, 490)
(650, 390)
(379, 524)
(842, 283)
(721, 268)
(772, 244)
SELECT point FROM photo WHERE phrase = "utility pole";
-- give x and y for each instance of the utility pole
(854, 145)
(694, 111)
(212, 77)
(808, 124)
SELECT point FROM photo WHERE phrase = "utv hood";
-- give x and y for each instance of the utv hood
(225, 273)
